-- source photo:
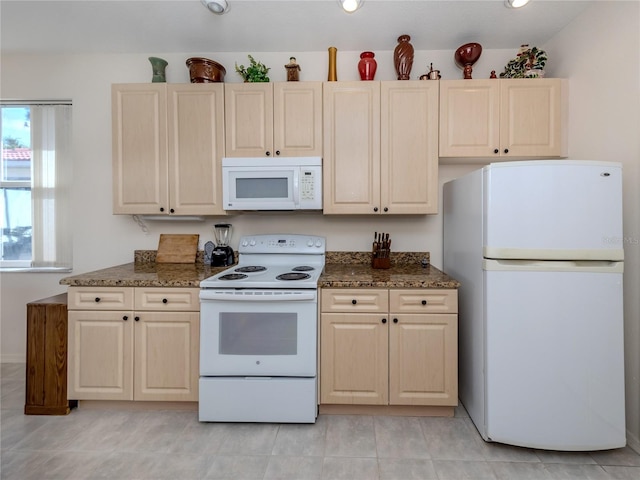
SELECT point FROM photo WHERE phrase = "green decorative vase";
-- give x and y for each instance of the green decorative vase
(158, 65)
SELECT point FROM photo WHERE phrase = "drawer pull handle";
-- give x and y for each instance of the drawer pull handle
(424, 302)
(354, 301)
(125, 318)
(137, 319)
(395, 320)
(164, 300)
(97, 299)
(384, 320)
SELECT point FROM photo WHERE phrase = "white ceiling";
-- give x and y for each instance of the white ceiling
(186, 26)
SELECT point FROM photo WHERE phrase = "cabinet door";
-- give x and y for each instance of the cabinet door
(409, 147)
(351, 167)
(423, 359)
(139, 148)
(248, 119)
(469, 118)
(533, 117)
(166, 356)
(100, 355)
(196, 148)
(354, 359)
(297, 124)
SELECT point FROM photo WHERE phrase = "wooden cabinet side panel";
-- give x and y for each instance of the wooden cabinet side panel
(297, 119)
(196, 148)
(36, 324)
(100, 355)
(423, 360)
(139, 148)
(167, 361)
(354, 359)
(469, 118)
(351, 168)
(409, 147)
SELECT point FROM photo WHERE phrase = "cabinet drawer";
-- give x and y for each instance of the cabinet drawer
(100, 298)
(167, 299)
(354, 300)
(423, 301)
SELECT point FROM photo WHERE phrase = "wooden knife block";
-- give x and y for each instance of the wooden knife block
(380, 262)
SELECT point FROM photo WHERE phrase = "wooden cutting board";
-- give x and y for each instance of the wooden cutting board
(175, 248)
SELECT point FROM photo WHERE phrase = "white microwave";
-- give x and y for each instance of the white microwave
(287, 183)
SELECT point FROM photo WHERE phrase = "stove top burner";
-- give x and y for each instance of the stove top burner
(233, 276)
(302, 268)
(293, 276)
(250, 269)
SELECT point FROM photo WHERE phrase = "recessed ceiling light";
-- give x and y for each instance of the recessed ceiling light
(219, 7)
(516, 3)
(350, 6)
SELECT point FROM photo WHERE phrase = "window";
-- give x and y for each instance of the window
(35, 179)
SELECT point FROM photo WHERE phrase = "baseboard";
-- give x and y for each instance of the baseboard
(13, 358)
(633, 442)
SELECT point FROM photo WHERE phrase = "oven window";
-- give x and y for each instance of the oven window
(258, 333)
(264, 187)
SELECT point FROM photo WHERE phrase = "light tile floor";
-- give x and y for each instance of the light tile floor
(120, 445)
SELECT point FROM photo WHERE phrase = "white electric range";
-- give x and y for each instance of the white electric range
(258, 332)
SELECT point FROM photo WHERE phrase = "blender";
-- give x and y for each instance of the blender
(222, 255)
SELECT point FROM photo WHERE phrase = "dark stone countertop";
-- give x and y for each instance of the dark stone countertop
(342, 270)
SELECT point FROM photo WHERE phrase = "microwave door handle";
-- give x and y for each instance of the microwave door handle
(296, 187)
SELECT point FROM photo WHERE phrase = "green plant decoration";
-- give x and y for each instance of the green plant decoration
(529, 63)
(255, 72)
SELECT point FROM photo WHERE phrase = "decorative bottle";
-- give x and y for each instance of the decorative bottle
(403, 57)
(367, 66)
(333, 75)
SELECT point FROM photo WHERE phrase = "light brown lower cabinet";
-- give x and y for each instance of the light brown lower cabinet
(133, 343)
(389, 347)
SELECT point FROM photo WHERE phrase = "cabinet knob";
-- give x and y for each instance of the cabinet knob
(506, 150)
(164, 300)
(424, 302)
(125, 318)
(97, 299)
(395, 320)
(268, 153)
(384, 320)
(172, 211)
(277, 152)
(386, 209)
(354, 301)
(162, 209)
(375, 209)
(496, 151)
(137, 319)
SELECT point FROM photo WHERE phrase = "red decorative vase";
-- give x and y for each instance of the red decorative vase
(367, 66)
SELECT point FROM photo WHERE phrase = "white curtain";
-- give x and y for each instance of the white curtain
(51, 185)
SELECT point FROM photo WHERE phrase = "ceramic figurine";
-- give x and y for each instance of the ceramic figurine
(293, 70)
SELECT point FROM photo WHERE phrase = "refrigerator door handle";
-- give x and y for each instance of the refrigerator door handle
(596, 266)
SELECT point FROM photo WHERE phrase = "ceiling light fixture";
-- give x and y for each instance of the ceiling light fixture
(219, 7)
(515, 3)
(350, 6)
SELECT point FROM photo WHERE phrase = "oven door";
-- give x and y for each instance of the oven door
(257, 333)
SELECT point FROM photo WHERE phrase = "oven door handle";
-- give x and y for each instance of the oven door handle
(235, 296)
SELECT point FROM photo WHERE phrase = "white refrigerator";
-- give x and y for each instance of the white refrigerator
(538, 249)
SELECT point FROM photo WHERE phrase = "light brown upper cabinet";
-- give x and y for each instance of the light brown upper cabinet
(168, 142)
(503, 118)
(282, 119)
(380, 147)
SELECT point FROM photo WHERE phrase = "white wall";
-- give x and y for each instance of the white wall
(598, 52)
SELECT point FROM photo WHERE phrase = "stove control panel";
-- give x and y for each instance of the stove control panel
(289, 243)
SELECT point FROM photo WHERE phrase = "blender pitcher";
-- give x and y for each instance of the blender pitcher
(222, 255)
